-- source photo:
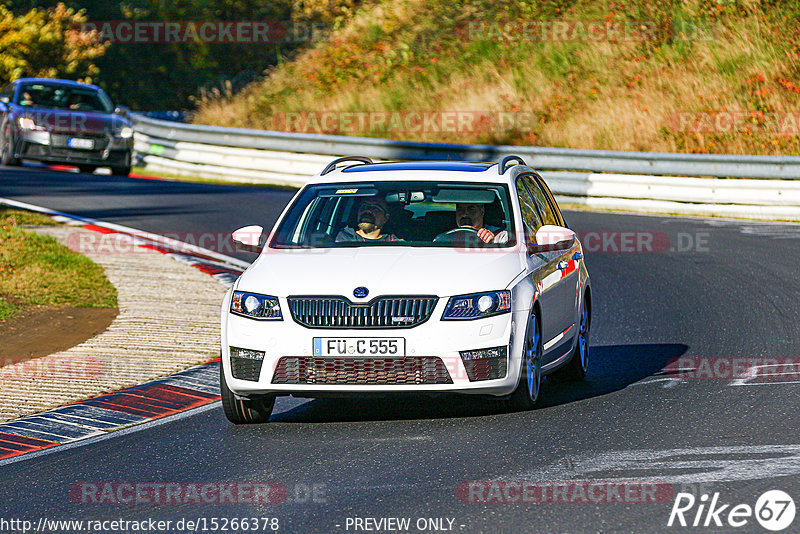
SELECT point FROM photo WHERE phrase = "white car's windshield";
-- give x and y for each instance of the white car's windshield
(420, 214)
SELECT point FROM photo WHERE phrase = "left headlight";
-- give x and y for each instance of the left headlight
(477, 306)
(255, 306)
(125, 133)
(27, 123)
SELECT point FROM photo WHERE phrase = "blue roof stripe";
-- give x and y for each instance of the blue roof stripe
(464, 166)
(55, 81)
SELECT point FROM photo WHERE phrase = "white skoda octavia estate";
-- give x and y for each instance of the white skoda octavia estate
(415, 277)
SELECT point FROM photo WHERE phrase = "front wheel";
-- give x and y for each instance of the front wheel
(7, 158)
(527, 393)
(244, 412)
(121, 171)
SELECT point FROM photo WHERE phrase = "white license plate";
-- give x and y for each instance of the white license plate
(359, 346)
(77, 142)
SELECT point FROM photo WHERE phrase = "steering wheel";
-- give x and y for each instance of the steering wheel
(467, 233)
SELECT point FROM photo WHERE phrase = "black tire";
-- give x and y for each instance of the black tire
(244, 412)
(121, 171)
(527, 393)
(7, 158)
(89, 169)
(578, 364)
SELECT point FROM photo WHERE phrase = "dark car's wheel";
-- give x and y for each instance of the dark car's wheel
(527, 393)
(7, 157)
(250, 411)
(578, 365)
(121, 171)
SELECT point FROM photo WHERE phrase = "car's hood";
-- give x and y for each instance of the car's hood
(68, 121)
(383, 271)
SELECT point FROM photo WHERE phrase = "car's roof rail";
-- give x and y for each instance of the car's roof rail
(332, 165)
(501, 167)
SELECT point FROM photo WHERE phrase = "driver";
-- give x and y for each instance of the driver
(26, 100)
(373, 213)
(75, 101)
(470, 216)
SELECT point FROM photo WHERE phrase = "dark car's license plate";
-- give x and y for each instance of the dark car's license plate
(79, 142)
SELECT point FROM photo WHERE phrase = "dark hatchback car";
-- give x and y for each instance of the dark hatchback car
(66, 122)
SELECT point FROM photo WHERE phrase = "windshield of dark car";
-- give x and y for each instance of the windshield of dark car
(53, 96)
(416, 213)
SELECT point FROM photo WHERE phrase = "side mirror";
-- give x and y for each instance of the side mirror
(122, 110)
(248, 238)
(550, 237)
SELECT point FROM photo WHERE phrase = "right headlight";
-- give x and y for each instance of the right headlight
(477, 306)
(255, 306)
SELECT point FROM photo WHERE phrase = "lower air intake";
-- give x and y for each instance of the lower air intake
(485, 364)
(246, 368)
(377, 371)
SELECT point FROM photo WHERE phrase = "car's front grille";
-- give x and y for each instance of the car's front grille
(382, 312)
(354, 371)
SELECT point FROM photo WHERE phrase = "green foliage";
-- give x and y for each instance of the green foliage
(334, 13)
(46, 43)
(160, 76)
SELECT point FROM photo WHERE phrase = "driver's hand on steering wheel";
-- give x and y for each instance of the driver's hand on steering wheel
(485, 235)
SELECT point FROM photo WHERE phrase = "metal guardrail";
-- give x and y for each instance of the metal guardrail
(646, 181)
(650, 163)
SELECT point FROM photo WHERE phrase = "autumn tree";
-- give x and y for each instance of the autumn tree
(47, 43)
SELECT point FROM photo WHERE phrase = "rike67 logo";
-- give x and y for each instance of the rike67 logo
(774, 510)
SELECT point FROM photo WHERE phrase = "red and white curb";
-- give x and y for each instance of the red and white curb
(97, 416)
(164, 397)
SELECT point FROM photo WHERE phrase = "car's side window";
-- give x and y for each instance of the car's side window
(542, 203)
(553, 203)
(530, 217)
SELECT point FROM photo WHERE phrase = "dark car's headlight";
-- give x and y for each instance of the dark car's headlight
(255, 306)
(126, 132)
(477, 306)
(27, 123)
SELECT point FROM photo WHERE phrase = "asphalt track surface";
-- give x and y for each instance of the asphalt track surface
(731, 297)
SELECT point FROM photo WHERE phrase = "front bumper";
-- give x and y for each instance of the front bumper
(434, 339)
(52, 147)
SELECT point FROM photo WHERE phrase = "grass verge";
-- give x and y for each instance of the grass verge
(37, 270)
(674, 76)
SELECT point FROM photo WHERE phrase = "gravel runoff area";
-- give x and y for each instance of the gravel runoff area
(168, 320)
